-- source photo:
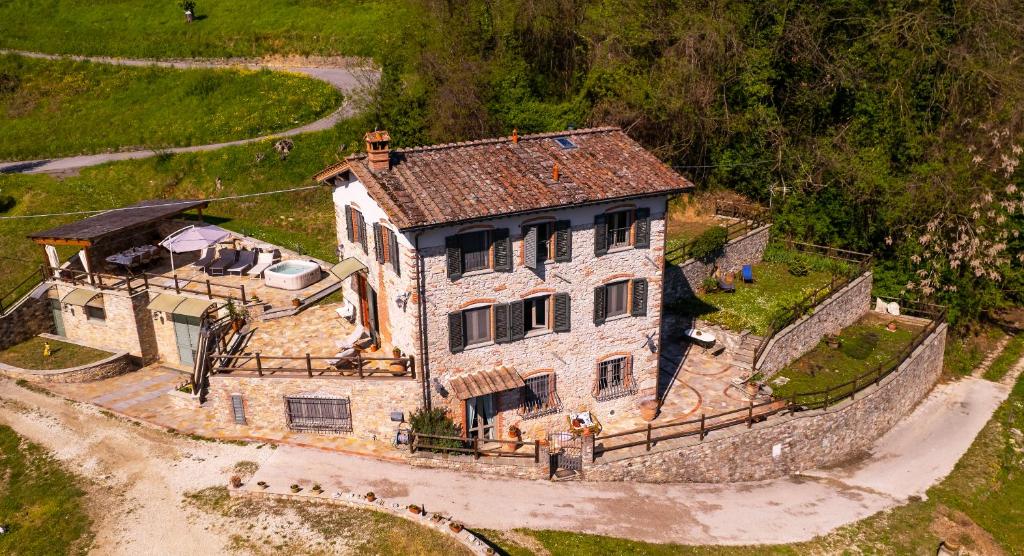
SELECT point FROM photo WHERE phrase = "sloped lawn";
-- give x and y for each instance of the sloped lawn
(29, 355)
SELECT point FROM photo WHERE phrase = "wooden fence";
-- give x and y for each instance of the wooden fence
(14, 295)
(312, 366)
(474, 446)
(135, 283)
(750, 217)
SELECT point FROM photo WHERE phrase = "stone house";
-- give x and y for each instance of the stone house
(524, 273)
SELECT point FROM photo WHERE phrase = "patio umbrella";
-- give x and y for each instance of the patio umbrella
(193, 238)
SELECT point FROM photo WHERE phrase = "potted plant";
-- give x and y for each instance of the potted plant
(514, 433)
(237, 316)
(236, 481)
(317, 488)
(455, 526)
(296, 488)
(190, 10)
(370, 497)
(649, 409)
(414, 509)
(891, 327)
(398, 365)
(832, 341)
(263, 484)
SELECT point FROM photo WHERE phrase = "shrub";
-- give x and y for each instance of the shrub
(709, 243)
(435, 421)
(798, 266)
(6, 203)
(709, 284)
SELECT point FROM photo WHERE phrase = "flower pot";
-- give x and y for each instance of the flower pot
(648, 410)
(397, 366)
(370, 497)
(455, 527)
(510, 447)
(891, 327)
(414, 510)
(296, 302)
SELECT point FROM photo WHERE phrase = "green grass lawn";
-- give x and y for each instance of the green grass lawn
(302, 221)
(753, 306)
(978, 506)
(1007, 359)
(29, 355)
(864, 347)
(223, 28)
(965, 351)
(40, 502)
(52, 108)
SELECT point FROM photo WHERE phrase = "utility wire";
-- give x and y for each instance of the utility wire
(228, 198)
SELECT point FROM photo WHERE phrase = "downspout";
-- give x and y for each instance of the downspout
(421, 292)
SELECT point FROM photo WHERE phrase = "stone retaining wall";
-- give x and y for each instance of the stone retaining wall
(117, 364)
(684, 279)
(30, 319)
(787, 444)
(520, 468)
(838, 311)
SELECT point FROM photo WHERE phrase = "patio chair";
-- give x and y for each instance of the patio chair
(206, 258)
(225, 259)
(748, 274)
(263, 261)
(244, 263)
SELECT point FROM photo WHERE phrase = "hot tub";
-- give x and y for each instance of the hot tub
(292, 275)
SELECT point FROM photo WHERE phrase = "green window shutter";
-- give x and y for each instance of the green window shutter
(454, 254)
(502, 250)
(600, 295)
(600, 235)
(517, 320)
(362, 232)
(530, 247)
(643, 228)
(501, 323)
(348, 224)
(562, 310)
(563, 241)
(639, 297)
(378, 242)
(396, 254)
(456, 339)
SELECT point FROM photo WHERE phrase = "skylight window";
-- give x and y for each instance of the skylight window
(565, 143)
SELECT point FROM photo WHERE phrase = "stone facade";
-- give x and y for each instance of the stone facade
(128, 325)
(684, 279)
(787, 444)
(840, 310)
(31, 318)
(116, 364)
(372, 401)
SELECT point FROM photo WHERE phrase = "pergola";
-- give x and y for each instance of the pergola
(89, 232)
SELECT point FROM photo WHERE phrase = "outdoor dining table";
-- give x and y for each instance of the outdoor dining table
(134, 256)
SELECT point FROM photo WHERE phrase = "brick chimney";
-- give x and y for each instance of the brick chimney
(377, 147)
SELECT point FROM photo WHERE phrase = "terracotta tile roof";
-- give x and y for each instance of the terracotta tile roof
(482, 383)
(460, 182)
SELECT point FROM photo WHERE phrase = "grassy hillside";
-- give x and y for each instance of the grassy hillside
(223, 28)
(57, 108)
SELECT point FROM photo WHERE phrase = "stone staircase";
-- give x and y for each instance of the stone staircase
(744, 355)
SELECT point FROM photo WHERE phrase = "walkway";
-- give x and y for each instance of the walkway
(349, 80)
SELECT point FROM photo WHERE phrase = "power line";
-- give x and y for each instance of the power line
(228, 198)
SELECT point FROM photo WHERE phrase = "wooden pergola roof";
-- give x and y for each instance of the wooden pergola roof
(88, 231)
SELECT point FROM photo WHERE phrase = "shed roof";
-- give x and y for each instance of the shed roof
(482, 383)
(460, 182)
(87, 231)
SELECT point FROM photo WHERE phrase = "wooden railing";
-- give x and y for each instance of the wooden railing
(311, 366)
(751, 217)
(201, 287)
(474, 446)
(145, 281)
(859, 264)
(650, 435)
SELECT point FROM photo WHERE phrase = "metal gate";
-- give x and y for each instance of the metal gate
(566, 451)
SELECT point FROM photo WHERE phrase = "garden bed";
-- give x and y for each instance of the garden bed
(63, 355)
(863, 347)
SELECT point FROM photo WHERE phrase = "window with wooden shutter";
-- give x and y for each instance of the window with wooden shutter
(501, 324)
(616, 299)
(642, 229)
(600, 295)
(562, 312)
(502, 250)
(535, 314)
(517, 320)
(530, 247)
(378, 242)
(454, 254)
(393, 252)
(456, 339)
(600, 235)
(349, 224)
(563, 241)
(477, 325)
(361, 227)
(639, 308)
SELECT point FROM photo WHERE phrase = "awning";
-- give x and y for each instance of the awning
(165, 303)
(192, 307)
(347, 268)
(80, 297)
(486, 382)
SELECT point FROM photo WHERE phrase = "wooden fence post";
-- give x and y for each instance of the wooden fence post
(826, 398)
(412, 442)
(309, 366)
(476, 447)
(703, 433)
(242, 286)
(648, 437)
(259, 365)
(209, 289)
(177, 289)
(750, 413)
(536, 452)
(359, 363)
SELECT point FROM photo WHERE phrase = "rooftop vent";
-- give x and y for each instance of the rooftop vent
(565, 143)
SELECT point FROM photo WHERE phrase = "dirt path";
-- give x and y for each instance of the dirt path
(344, 75)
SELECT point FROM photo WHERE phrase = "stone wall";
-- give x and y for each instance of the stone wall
(840, 310)
(684, 279)
(116, 364)
(787, 444)
(128, 325)
(31, 318)
(372, 401)
(520, 468)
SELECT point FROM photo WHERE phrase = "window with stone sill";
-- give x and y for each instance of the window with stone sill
(539, 396)
(614, 378)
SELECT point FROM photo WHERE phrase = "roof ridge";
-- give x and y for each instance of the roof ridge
(495, 140)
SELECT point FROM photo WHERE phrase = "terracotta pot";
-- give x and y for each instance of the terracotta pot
(296, 302)
(891, 327)
(648, 410)
(397, 366)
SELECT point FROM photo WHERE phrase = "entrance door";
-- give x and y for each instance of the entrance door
(367, 305)
(58, 317)
(186, 332)
(481, 414)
